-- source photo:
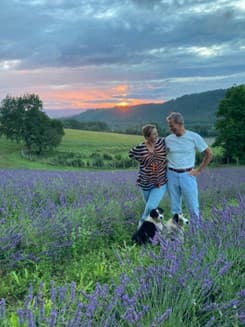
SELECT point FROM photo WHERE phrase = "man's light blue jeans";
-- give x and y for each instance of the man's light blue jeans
(183, 185)
(152, 199)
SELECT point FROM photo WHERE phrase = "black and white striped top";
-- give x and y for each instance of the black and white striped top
(153, 165)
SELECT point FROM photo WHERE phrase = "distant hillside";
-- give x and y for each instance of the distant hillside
(197, 108)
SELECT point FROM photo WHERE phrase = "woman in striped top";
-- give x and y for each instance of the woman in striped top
(152, 175)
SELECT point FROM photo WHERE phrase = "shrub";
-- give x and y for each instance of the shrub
(107, 156)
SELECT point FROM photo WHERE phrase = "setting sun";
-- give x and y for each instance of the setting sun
(122, 104)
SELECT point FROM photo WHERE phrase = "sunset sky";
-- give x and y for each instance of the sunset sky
(78, 54)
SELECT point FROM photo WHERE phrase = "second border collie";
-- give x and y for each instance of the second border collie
(174, 227)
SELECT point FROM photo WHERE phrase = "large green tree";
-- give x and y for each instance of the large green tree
(23, 119)
(12, 118)
(230, 123)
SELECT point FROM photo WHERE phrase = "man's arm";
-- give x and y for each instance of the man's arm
(208, 154)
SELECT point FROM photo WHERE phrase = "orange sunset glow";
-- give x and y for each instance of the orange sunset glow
(90, 98)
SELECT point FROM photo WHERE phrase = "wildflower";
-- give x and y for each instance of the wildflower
(2, 308)
(225, 268)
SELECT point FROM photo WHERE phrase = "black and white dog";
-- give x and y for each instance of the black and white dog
(149, 227)
(174, 228)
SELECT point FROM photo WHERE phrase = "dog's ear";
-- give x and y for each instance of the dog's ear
(176, 218)
(160, 210)
(154, 213)
(183, 220)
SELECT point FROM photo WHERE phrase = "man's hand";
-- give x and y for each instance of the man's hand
(194, 172)
(207, 158)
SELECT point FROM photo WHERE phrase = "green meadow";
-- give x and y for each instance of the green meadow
(85, 145)
(87, 142)
(79, 149)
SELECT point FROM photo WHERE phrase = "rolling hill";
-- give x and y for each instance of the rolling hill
(197, 108)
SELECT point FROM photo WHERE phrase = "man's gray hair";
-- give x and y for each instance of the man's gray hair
(176, 117)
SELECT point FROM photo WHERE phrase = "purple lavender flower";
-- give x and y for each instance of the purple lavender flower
(76, 322)
(30, 319)
(73, 292)
(21, 316)
(210, 322)
(225, 268)
(53, 316)
(2, 308)
(164, 316)
(131, 315)
(62, 293)
(241, 318)
(242, 293)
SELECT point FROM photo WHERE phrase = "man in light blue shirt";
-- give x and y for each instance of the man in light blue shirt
(182, 146)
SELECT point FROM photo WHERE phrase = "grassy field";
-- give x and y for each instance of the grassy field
(88, 141)
(75, 142)
(10, 156)
(78, 149)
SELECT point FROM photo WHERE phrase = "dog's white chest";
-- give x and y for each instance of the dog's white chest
(158, 224)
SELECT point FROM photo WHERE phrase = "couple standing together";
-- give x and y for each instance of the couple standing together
(169, 164)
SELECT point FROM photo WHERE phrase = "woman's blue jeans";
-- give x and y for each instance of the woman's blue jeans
(152, 199)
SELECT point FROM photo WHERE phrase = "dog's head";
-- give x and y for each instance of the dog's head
(174, 227)
(180, 219)
(157, 214)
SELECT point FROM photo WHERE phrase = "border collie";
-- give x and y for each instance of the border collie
(174, 227)
(149, 227)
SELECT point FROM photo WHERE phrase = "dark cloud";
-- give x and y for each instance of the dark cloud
(131, 40)
(85, 33)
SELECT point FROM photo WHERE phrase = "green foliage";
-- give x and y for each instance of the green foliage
(94, 160)
(22, 119)
(107, 156)
(12, 118)
(230, 123)
(41, 134)
(204, 130)
(88, 125)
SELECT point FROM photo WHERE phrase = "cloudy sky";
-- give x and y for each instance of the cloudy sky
(80, 54)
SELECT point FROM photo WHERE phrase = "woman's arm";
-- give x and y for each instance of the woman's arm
(136, 152)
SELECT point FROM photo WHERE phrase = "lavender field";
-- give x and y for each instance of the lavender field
(66, 257)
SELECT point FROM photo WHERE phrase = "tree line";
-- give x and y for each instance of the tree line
(88, 125)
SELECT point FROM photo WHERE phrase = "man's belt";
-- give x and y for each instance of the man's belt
(180, 170)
